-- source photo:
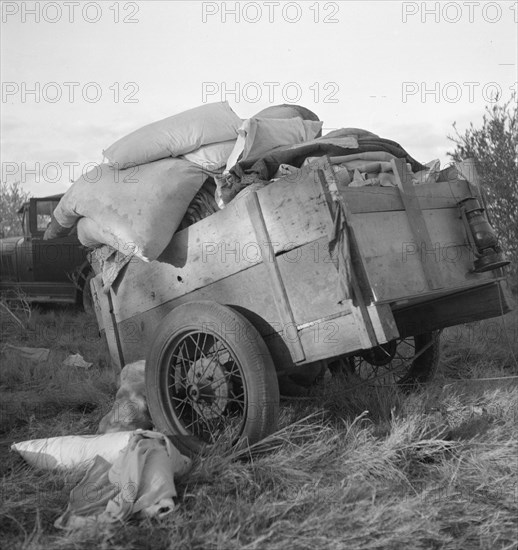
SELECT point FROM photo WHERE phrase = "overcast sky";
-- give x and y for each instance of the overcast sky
(76, 76)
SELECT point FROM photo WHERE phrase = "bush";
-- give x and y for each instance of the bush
(12, 198)
(494, 147)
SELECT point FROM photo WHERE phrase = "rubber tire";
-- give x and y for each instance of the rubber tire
(422, 370)
(425, 367)
(253, 358)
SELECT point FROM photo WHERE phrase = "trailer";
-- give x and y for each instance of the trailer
(303, 271)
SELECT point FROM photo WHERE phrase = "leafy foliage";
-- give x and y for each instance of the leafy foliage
(12, 198)
(494, 146)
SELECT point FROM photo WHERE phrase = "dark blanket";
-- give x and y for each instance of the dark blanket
(266, 167)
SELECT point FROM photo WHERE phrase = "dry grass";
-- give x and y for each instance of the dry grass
(370, 469)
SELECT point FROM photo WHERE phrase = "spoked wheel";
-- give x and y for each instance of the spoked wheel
(406, 362)
(210, 379)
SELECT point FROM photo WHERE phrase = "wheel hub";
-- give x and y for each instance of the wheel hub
(193, 392)
(380, 355)
(208, 387)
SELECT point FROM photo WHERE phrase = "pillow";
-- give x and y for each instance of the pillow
(176, 135)
(287, 111)
(136, 212)
(259, 135)
(72, 452)
(211, 157)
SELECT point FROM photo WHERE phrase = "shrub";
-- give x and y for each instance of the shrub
(494, 146)
(12, 198)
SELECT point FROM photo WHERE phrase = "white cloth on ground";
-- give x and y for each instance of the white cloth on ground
(140, 481)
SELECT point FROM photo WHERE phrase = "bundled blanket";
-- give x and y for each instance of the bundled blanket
(357, 144)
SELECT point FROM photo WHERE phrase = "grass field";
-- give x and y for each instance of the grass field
(364, 469)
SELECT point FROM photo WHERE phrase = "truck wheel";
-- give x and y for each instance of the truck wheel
(210, 379)
(406, 362)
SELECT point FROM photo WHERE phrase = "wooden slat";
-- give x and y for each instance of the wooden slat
(107, 323)
(416, 221)
(119, 362)
(383, 322)
(277, 285)
(387, 199)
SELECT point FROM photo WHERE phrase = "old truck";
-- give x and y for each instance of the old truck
(53, 271)
(301, 272)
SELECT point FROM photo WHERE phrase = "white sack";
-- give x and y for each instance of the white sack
(136, 211)
(259, 135)
(91, 235)
(286, 111)
(212, 157)
(176, 135)
(72, 451)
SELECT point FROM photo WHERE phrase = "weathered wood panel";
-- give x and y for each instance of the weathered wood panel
(334, 337)
(393, 260)
(311, 280)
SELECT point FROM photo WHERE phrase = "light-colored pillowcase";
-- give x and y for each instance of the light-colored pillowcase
(176, 135)
(136, 211)
(257, 136)
(211, 157)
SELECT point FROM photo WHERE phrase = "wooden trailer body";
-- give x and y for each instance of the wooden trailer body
(267, 255)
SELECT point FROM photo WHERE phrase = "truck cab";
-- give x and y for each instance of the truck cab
(52, 271)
